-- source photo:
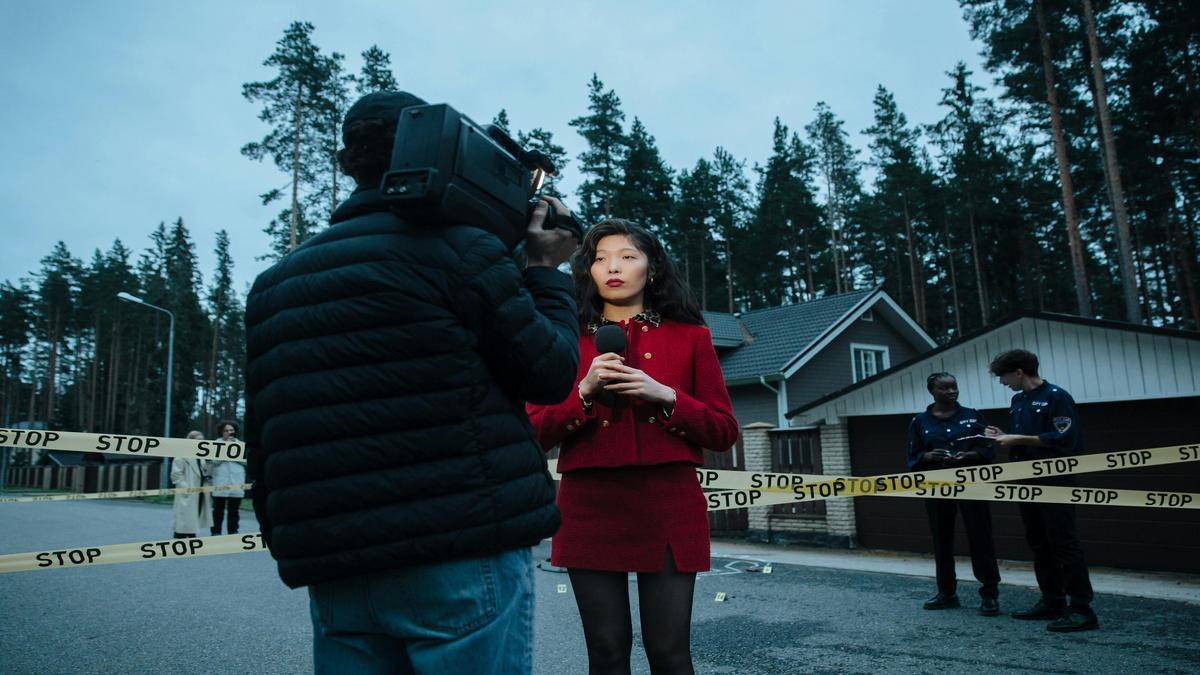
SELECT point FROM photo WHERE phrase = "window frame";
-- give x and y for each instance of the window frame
(856, 347)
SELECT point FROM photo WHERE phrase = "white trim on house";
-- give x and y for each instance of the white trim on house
(1096, 362)
(780, 399)
(887, 359)
(835, 329)
(839, 326)
(908, 320)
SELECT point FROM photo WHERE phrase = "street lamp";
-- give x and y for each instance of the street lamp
(170, 371)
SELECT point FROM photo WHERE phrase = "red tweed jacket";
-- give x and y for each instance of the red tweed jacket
(632, 432)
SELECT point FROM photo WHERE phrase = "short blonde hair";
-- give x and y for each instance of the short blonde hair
(195, 434)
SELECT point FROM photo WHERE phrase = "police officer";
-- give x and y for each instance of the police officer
(949, 435)
(1045, 424)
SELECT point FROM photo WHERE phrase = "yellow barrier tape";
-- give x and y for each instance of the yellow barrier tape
(999, 492)
(125, 494)
(124, 444)
(807, 484)
(89, 556)
(823, 486)
(776, 488)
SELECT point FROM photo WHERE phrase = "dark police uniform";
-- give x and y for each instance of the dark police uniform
(955, 434)
(1049, 413)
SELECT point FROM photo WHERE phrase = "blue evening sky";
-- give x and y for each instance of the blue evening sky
(119, 115)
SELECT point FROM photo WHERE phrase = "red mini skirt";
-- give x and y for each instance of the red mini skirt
(624, 519)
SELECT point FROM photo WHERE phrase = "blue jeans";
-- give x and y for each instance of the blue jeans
(465, 616)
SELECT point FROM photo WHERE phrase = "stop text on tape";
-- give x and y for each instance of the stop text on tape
(137, 552)
(124, 444)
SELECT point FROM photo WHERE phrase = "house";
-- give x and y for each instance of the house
(778, 358)
(1135, 386)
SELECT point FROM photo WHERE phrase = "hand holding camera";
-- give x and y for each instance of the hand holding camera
(545, 244)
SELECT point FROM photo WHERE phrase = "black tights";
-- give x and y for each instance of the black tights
(665, 599)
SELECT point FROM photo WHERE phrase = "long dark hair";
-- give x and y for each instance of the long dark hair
(666, 294)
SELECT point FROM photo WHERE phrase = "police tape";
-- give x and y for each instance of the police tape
(999, 492)
(802, 487)
(166, 549)
(815, 485)
(124, 444)
(124, 494)
(776, 488)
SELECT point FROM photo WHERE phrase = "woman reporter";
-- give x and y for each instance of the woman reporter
(629, 496)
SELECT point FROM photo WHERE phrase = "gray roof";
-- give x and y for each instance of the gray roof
(778, 334)
(726, 330)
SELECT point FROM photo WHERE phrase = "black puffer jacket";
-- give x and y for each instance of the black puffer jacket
(387, 370)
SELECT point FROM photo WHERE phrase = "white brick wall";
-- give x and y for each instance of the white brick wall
(756, 444)
(835, 460)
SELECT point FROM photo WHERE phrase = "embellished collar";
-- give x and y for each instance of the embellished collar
(651, 317)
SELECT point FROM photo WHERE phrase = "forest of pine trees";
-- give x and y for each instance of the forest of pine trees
(1076, 189)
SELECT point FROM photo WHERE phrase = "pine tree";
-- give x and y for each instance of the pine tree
(732, 212)
(16, 330)
(837, 171)
(182, 296)
(647, 187)
(334, 102)
(607, 148)
(973, 168)
(902, 189)
(57, 294)
(221, 299)
(1112, 170)
(296, 108)
(1031, 47)
(784, 217)
(376, 74)
(689, 239)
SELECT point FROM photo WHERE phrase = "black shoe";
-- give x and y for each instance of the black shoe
(1040, 612)
(1074, 621)
(942, 601)
(989, 607)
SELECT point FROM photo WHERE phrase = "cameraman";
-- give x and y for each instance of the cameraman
(395, 472)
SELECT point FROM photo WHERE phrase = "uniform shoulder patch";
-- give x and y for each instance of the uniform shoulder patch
(1061, 424)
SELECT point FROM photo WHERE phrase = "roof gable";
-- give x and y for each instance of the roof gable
(779, 334)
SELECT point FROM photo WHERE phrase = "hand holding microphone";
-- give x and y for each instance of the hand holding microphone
(609, 376)
(610, 342)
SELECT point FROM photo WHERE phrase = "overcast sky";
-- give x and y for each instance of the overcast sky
(119, 115)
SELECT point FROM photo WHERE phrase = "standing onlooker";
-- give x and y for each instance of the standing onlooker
(631, 439)
(227, 473)
(191, 508)
(1045, 424)
(948, 435)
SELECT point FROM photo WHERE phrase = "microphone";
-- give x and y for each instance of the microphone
(610, 339)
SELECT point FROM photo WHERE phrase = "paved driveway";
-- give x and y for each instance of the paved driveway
(230, 614)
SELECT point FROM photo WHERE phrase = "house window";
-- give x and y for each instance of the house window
(868, 315)
(867, 360)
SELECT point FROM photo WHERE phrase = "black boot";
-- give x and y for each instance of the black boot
(942, 601)
(1074, 621)
(989, 607)
(1040, 612)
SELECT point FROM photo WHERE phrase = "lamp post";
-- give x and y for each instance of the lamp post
(170, 371)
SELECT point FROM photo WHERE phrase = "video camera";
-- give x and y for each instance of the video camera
(446, 169)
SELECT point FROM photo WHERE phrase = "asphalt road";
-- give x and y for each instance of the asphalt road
(230, 614)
